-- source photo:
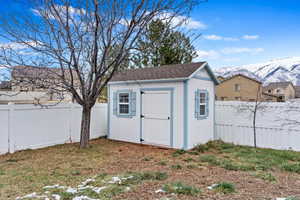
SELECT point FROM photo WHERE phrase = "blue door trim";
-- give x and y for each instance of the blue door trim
(171, 108)
(185, 114)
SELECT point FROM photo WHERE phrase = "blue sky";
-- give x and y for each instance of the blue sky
(236, 32)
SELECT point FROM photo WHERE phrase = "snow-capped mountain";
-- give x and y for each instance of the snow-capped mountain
(277, 70)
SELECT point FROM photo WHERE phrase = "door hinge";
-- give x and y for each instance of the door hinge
(142, 116)
(168, 117)
(142, 92)
(141, 140)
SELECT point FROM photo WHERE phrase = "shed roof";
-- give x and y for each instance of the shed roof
(175, 71)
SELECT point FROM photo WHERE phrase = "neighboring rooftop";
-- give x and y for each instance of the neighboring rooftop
(242, 75)
(274, 85)
(154, 73)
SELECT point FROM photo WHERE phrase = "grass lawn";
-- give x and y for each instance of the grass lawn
(129, 171)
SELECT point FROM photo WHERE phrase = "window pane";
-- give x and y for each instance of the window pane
(124, 109)
(202, 109)
(202, 97)
(124, 98)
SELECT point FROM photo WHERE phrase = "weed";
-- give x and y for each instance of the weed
(147, 159)
(162, 163)
(2, 172)
(291, 167)
(291, 198)
(177, 166)
(180, 188)
(265, 176)
(188, 159)
(225, 187)
(178, 152)
(75, 172)
(191, 166)
(193, 152)
(211, 159)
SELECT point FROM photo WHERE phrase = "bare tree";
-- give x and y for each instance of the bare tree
(80, 43)
(258, 105)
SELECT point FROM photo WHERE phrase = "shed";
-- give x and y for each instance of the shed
(170, 106)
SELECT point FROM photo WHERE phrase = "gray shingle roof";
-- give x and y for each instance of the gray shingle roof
(155, 73)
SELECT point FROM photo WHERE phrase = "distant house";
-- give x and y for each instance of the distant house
(238, 88)
(283, 90)
(5, 86)
(242, 88)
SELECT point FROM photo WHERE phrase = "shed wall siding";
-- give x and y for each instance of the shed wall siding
(128, 129)
(202, 130)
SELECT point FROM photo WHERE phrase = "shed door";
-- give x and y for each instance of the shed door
(156, 117)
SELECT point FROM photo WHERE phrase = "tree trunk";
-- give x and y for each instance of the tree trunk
(85, 127)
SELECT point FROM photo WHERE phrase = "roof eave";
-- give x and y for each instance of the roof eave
(148, 81)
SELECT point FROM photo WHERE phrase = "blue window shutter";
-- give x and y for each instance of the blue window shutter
(133, 104)
(207, 103)
(115, 103)
(197, 104)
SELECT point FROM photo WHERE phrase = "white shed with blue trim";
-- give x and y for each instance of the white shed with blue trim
(170, 106)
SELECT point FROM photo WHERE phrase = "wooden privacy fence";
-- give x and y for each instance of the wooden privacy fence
(30, 127)
(278, 125)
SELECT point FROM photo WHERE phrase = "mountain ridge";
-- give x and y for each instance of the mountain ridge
(276, 70)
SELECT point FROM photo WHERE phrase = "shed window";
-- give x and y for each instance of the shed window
(201, 104)
(123, 103)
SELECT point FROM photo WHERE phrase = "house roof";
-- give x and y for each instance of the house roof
(39, 72)
(274, 85)
(242, 75)
(175, 71)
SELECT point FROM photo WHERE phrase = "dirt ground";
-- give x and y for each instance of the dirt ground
(28, 171)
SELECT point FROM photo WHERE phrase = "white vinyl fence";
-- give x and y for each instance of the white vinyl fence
(278, 124)
(30, 127)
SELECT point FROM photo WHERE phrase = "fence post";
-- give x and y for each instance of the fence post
(11, 141)
(71, 122)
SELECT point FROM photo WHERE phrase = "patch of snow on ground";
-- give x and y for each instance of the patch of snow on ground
(160, 191)
(212, 186)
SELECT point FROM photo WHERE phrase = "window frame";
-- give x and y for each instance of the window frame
(237, 87)
(203, 104)
(199, 103)
(123, 103)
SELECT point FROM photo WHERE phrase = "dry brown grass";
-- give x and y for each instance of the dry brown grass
(28, 171)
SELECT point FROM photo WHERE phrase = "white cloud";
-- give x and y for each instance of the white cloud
(18, 45)
(210, 54)
(212, 37)
(182, 21)
(218, 37)
(250, 37)
(237, 50)
(61, 9)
